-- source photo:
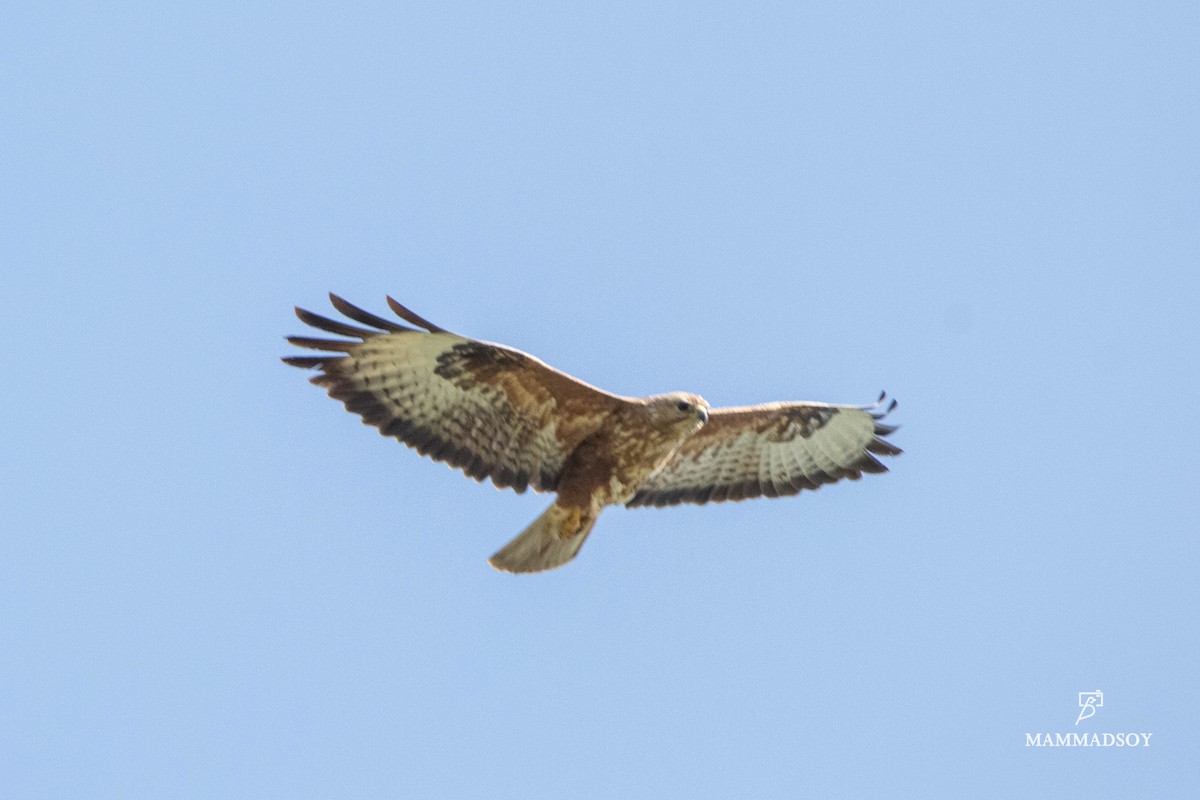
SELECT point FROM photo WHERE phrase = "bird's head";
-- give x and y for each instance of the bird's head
(679, 408)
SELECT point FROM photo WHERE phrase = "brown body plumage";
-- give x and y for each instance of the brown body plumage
(497, 413)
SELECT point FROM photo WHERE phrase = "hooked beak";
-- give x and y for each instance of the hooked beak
(702, 413)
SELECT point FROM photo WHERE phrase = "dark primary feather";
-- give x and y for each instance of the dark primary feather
(365, 317)
(420, 322)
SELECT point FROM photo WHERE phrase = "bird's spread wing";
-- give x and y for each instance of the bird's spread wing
(489, 410)
(771, 450)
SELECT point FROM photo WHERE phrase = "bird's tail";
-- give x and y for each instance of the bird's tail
(551, 541)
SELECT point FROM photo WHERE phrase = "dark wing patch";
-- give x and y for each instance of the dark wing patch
(772, 451)
(488, 410)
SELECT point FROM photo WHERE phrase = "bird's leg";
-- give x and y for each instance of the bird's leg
(577, 519)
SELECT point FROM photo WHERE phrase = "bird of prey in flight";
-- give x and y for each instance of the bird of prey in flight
(498, 413)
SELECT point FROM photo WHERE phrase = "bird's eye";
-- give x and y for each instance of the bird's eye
(684, 405)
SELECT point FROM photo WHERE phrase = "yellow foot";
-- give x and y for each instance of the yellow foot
(572, 523)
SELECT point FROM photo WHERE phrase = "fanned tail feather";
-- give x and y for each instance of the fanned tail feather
(551, 541)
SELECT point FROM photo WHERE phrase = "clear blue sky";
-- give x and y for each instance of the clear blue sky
(216, 583)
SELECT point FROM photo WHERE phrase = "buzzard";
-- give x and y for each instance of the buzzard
(498, 413)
